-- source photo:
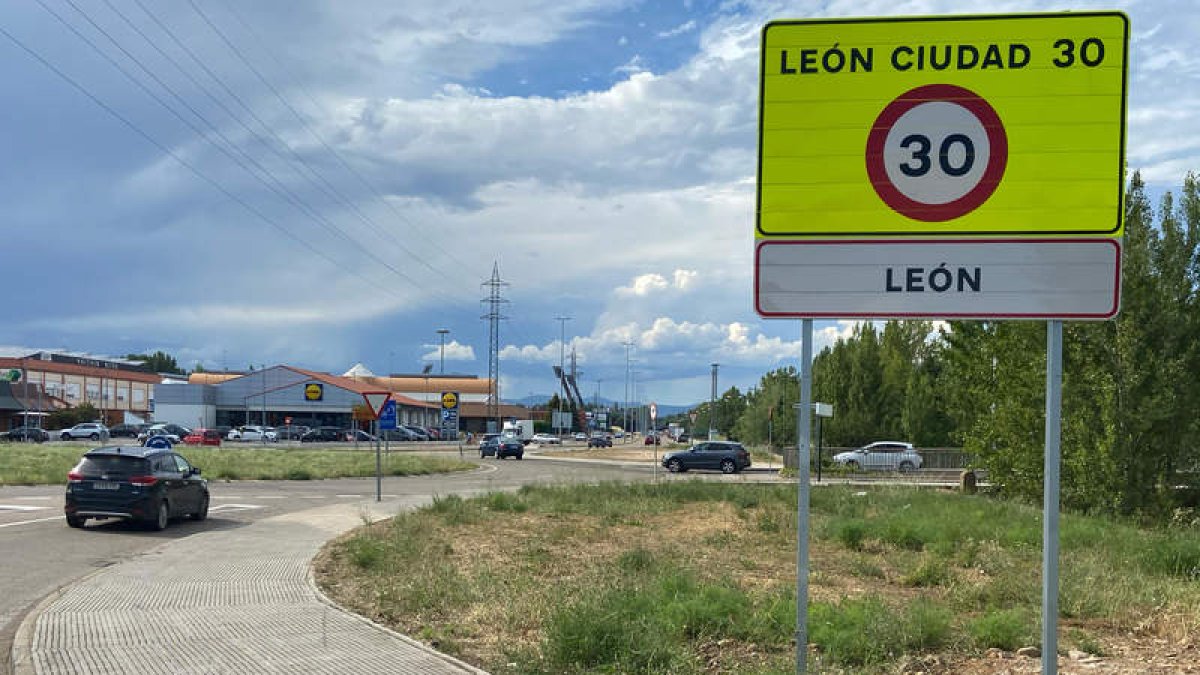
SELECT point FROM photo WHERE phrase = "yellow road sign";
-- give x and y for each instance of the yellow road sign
(958, 125)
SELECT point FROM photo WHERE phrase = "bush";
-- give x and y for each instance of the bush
(1006, 629)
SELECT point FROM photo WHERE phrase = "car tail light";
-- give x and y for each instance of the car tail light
(74, 477)
(143, 480)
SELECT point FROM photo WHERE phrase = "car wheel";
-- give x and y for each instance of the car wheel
(906, 467)
(94, 437)
(163, 518)
(520, 455)
(202, 512)
(852, 465)
(75, 521)
(727, 466)
(65, 437)
(675, 466)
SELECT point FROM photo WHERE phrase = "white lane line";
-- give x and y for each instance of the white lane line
(44, 498)
(18, 507)
(27, 522)
(270, 496)
(233, 507)
(349, 496)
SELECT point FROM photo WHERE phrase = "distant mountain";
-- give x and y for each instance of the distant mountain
(664, 410)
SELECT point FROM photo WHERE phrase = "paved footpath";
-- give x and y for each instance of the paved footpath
(237, 600)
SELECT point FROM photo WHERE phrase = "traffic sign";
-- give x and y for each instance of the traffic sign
(375, 401)
(1007, 125)
(387, 416)
(653, 411)
(450, 405)
(944, 278)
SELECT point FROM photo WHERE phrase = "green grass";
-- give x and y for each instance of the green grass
(615, 578)
(48, 463)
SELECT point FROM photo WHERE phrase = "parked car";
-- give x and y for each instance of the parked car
(599, 441)
(126, 430)
(152, 485)
(290, 432)
(435, 434)
(323, 435)
(652, 439)
(144, 437)
(579, 436)
(33, 434)
(489, 446)
(357, 435)
(509, 447)
(726, 456)
(252, 432)
(174, 432)
(881, 456)
(547, 439)
(398, 434)
(203, 437)
(418, 432)
(92, 430)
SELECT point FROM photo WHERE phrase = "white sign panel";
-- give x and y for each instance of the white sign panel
(924, 278)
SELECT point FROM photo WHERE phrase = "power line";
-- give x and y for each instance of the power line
(182, 162)
(281, 191)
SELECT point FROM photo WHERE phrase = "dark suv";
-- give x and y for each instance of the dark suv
(323, 435)
(152, 485)
(727, 456)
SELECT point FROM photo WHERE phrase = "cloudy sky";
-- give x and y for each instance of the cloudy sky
(321, 183)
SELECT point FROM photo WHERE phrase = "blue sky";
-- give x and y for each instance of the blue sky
(337, 179)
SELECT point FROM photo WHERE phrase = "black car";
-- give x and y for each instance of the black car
(126, 430)
(599, 441)
(323, 435)
(151, 485)
(725, 456)
(509, 447)
(27, 434)
(489, 446)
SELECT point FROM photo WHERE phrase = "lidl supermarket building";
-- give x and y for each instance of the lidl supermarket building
(284, 394)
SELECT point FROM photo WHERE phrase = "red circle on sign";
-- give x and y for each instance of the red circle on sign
(977, 195)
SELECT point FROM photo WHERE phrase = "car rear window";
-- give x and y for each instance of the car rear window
(113, 464)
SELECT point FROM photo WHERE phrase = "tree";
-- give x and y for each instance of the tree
(158, 362)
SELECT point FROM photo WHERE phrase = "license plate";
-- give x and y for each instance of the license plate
(105, 485)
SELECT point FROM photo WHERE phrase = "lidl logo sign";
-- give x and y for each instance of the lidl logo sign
(449, 400)
(314, 391)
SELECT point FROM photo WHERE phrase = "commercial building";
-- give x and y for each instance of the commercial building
(40, 382)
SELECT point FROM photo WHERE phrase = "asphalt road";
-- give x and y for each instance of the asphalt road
(41, 554)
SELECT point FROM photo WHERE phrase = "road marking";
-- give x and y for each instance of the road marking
(233, 507)
(17, 507)
(27, 522)
(43, 498)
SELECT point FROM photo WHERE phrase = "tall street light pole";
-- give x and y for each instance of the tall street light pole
(442, 332)
(712, 406)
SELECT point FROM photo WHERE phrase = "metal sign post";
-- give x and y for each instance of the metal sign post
(803, 429)
(1050, 499)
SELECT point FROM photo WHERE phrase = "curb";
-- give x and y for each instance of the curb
(328, 602)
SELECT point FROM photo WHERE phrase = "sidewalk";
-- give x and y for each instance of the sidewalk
(236, 600)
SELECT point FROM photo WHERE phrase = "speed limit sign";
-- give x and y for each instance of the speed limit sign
(1004, 125)
(936, 152)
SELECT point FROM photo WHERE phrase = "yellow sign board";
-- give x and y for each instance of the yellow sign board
(957, 125)
(449, 400)
(314, 391)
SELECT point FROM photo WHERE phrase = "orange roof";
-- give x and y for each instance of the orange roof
(435, 384)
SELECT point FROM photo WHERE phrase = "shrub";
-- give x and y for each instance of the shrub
(1005, 629)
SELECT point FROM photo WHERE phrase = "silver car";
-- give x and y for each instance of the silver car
(881, 456)
(91, 430)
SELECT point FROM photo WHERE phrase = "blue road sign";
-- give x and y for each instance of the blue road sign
(387, 415)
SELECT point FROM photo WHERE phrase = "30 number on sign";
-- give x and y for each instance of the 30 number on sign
(936, 152)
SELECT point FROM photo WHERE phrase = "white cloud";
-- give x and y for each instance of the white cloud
(455, 351)
(685, 27)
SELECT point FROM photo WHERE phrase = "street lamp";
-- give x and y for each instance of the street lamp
(442, 332)
(712, 406)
